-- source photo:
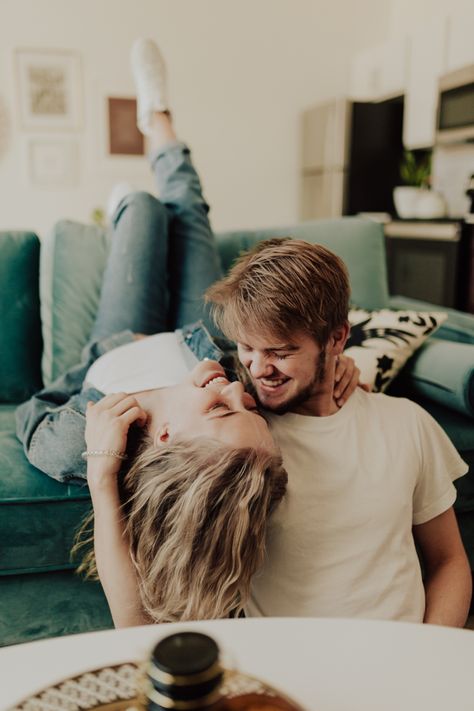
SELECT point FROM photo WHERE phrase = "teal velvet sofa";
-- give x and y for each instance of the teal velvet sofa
(48, 297)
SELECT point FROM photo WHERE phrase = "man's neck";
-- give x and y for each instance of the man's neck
(321, 402)
(317, 406)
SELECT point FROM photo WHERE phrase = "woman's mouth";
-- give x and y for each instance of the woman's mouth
(215, 379)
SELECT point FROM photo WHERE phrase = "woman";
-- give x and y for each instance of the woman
(179, 527)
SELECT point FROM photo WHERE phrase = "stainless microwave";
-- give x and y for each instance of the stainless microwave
(456, 107)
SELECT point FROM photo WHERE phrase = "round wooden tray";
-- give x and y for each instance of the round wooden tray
(115, 688)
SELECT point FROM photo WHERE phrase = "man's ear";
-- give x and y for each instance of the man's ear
(162, 435)
(338, 338)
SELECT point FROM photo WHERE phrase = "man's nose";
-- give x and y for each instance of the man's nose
(259, 367)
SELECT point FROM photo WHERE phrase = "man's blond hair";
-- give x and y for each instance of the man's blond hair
(280, 287)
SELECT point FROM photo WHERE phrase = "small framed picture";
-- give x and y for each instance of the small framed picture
(124, 136)
(53, 163)
(50, 89)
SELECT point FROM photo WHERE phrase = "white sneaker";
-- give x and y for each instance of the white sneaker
(149, 73)
(116, 195)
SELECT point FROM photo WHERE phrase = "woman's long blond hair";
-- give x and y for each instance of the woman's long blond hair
(195, 514)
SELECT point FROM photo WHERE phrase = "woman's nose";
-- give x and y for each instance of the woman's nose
(234, 393)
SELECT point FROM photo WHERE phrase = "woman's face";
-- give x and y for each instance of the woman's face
(207, 404)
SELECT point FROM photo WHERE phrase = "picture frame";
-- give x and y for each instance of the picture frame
(124, 136)
(53, 163)
(49, 89)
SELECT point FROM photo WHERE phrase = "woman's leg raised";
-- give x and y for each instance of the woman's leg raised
(193, 259)
(135, 285)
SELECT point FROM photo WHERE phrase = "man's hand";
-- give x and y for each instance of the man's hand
(347, 380)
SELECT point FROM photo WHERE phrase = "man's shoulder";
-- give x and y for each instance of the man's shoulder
(380, 404)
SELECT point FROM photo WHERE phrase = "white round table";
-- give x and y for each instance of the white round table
(324, 664)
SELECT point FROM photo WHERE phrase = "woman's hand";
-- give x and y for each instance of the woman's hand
(107, 425)
(346, 380)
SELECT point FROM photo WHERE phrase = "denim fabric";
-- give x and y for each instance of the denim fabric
(161, 260)
(51, 424)
(194, 262)
(163, 254)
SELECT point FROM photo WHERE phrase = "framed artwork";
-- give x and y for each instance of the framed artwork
(50, 89)
(124, 136)
(53, 163)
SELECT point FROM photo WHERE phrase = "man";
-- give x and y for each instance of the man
(368, 481)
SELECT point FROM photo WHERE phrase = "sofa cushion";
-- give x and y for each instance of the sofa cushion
(20, 339)
(382, 341)
(72, 262)
(38, 515)
(458, 327)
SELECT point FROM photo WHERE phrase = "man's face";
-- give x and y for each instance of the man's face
(284, 374)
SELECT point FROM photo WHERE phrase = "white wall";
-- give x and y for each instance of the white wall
(240, 72)
(405, 15)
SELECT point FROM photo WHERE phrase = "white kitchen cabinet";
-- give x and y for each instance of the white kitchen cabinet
(380, 72)
(460, 39)
(427, 63)
(365, 80)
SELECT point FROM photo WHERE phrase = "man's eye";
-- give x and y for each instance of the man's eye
(282, 356)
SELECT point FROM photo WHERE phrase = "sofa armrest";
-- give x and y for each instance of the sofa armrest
(459, 325)
(443, 368)
(443, 371)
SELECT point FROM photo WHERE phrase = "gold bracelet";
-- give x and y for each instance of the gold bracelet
(103, 453)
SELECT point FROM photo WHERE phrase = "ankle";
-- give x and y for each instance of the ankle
(161, 130)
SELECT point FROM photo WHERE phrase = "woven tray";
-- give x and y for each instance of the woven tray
(114, 688)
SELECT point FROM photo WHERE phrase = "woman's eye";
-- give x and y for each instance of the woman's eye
(219, 406)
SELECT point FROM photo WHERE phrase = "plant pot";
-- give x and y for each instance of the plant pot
(405, 198)
(430, 205)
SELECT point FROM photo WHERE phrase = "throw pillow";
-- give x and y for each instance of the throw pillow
(382, 341)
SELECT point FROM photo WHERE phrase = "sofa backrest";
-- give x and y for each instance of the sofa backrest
(73, 258)
(20, 328)
(360, 243)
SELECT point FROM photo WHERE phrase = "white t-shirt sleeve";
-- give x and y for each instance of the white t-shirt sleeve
(440, 465)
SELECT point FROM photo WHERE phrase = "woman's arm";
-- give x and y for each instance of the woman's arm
(347, 379)
(107, 426)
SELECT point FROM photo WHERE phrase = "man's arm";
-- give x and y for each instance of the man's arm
(448, 581)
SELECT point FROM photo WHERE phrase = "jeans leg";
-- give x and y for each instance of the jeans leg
(194, 263)
(135, 286)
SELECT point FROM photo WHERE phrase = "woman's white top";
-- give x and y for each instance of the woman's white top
(154, 362)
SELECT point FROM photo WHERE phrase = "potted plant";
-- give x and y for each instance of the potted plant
(414, 198)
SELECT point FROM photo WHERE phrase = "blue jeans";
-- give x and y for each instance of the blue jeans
(161, 261)
(163, 255)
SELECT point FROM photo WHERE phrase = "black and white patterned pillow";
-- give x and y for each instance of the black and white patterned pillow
(381, 342)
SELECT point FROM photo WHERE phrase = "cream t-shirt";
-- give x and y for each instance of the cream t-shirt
(157, 361)
(340, 543)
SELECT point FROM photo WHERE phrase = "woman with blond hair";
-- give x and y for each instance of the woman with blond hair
(182, 469)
